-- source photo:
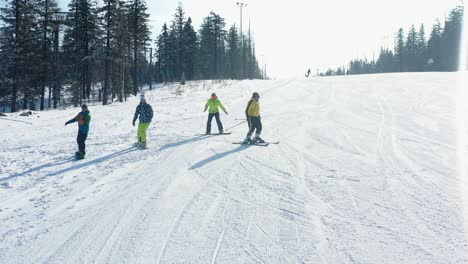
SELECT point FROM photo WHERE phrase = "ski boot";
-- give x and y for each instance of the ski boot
(258, 139)
(247, 141)
(208, 133)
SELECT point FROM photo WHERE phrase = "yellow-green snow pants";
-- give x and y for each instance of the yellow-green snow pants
(142, 127)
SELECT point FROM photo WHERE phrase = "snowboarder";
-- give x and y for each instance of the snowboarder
(308, 73)
(213, 106)
(83, 118)
(145, 112)
(252, 113)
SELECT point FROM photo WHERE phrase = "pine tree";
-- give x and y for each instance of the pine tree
(400, 50)
(385, 62)
(140, 36)
(172, 53)
(421, 49)
(162, 53)
(5, 67)
(233, 53)
(110, 14)
(218, 44)
(81, 40)
(451, 40)
(121, 64)
(23, 43)
(411, 50)
(190, 49)
(434, 47)
(205, 58)
(438, 53)
(178, 33)
(45, 9)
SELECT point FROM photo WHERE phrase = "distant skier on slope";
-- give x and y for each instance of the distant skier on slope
(83, 118)
(252, 113)
(145, 112)
(213, 105)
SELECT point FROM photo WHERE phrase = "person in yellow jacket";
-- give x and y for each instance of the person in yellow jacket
(213, 106)
(252, 113)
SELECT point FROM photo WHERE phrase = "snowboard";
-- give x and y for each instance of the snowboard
(78, 155)
(216, 134)
(139, 146)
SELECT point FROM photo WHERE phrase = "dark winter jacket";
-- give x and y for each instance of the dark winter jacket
(83, 119)
(145, 111)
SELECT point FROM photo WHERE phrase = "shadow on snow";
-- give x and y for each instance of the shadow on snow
(218, 157)
(183, 142)
(91, 162)
(38, 168)
(118, 153)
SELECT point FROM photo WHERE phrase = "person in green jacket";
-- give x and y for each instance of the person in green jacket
(213, 106)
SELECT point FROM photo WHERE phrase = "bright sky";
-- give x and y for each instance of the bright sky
(296, 35)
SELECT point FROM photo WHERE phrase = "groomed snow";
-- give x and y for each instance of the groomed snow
(364, 173)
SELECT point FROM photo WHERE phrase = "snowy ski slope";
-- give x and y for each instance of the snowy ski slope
(364, 173)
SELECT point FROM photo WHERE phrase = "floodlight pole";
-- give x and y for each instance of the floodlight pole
(241, 5)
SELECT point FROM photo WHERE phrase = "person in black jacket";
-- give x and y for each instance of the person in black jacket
(145, 112)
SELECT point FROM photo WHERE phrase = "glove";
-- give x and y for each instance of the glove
(66, 123)
(226, 112)
(133, 123)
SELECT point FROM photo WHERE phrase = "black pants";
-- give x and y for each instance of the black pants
(255, 125)
(218, 121)
(80, 139)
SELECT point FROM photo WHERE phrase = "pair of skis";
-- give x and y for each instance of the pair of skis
(260, 144)
(216, 134)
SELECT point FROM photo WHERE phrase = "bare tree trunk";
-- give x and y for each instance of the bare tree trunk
(45, 63)
(106, 67)
(86, 75)
(15, 59)
(151, 69)
(56, 89)
(135, 49)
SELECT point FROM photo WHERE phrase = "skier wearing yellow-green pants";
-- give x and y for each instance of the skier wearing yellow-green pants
(144, 112)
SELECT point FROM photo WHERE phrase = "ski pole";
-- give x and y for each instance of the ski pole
(237, 125)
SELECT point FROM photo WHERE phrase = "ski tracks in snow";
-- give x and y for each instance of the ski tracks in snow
(362, 175)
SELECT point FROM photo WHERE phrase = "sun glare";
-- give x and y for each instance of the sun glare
(461, 117)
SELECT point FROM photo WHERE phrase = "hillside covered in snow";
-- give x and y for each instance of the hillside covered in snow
(365, 172)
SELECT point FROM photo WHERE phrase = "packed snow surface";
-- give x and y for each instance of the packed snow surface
(365, 173)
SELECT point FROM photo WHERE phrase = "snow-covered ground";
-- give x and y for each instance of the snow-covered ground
(365, 173)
